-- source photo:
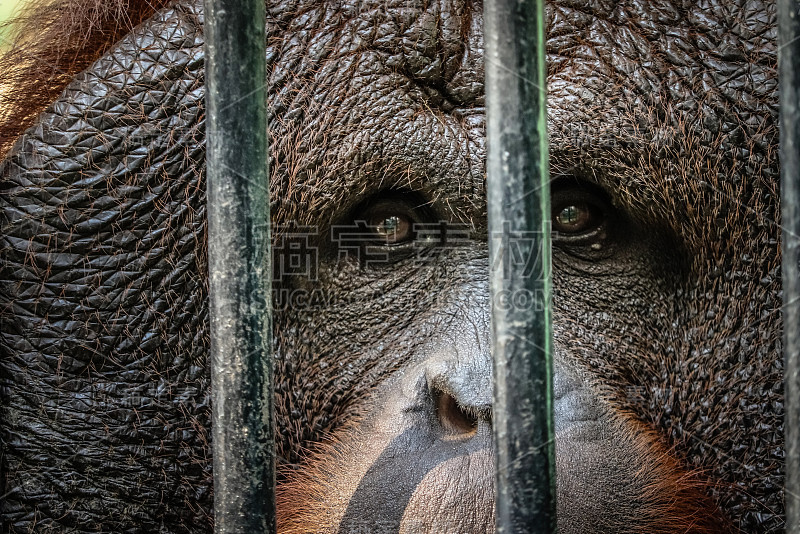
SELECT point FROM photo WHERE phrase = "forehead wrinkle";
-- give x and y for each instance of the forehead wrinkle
(651, 99)
(375, 131)
(367, 103)
(634, 89)
(707, 69)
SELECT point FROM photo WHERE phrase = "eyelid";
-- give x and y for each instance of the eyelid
(388, 206)
(575, 195)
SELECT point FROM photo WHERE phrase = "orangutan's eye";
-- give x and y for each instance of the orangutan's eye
(576, 218)
(390, 219)
(391, 228)
(581, 212)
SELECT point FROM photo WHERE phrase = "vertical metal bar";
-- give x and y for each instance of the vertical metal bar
(789, 79)
(519, 229)
(239, 267)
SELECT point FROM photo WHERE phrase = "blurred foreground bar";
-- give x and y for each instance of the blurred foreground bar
(789, 79)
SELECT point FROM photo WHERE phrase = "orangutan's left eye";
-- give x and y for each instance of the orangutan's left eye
(391, 228)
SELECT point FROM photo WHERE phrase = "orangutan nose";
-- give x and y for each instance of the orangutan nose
(455, 420)
(457, 371)
(462, 401)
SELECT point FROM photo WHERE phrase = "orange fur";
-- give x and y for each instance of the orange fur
(676, 500)
(672, 501)
(53, 40)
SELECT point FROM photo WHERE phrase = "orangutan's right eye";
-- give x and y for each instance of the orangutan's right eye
(576, 218)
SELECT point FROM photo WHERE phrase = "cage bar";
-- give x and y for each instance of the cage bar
(239, 267)
(519, 238)
(789, 80)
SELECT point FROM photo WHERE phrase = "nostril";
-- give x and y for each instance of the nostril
(455, 420)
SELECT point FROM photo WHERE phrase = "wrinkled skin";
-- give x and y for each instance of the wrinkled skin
(666, 307)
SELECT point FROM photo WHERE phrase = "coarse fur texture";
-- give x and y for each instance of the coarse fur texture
(662, 118)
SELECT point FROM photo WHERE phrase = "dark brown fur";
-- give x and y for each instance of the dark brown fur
(56, 40)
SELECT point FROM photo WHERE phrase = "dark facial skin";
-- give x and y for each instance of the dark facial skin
(662, 122)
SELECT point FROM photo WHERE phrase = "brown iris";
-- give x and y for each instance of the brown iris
(392, 228)
(574, 218)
